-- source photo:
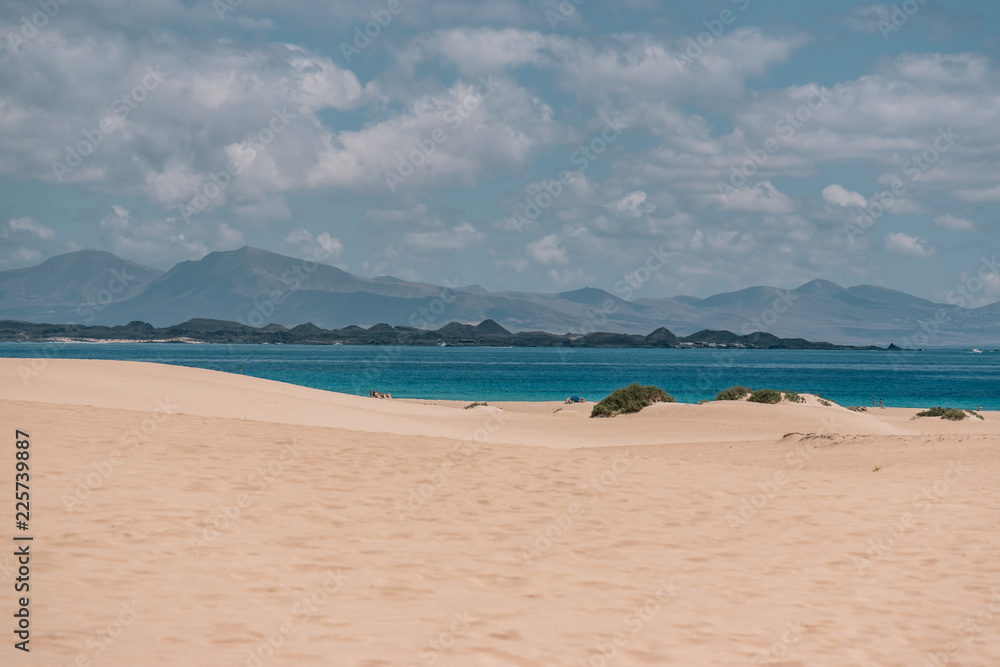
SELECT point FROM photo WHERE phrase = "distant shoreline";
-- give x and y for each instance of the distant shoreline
(454, 334)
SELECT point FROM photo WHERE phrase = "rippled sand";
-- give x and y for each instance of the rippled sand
(187, 517)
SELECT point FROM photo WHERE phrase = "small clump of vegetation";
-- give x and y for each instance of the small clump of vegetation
(473, 405)
(794, 397)
(632, 398)
(824, 402)
(975, 414)
(736, 393)
(765, 396)
(951, 414)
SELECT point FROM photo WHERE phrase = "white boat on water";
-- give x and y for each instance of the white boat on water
(974, 351)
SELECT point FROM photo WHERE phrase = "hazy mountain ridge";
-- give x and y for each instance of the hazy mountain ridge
(258, 287)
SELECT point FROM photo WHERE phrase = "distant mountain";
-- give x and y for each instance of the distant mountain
(256, 287)
(74, 287)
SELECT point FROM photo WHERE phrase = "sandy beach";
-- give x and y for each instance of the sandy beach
(189, 517)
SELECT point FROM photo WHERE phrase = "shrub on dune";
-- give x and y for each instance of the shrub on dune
(736, 393)
(794, 397)
(632, 398)
(765, 396)
(951, 414)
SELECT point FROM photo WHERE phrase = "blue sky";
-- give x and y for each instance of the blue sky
(538, 146)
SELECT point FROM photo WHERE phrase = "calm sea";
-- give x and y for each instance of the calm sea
(903, 379)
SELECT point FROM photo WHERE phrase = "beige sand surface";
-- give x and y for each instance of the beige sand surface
(187, 517)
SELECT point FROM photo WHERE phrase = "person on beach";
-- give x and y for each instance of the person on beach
(881, 407)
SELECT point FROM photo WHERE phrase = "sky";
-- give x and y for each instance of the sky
(519, 145)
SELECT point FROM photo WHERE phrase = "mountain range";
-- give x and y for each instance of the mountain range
(258, 287)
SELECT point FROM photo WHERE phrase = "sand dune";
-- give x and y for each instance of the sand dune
(187, 517)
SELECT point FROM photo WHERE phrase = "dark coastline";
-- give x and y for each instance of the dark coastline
(486, 334)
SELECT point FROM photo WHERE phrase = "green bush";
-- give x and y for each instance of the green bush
(632, 398)
(473, 405)
(765, 396)
(794, 397)
(975, 414)
(825, 402)
(950, 414)
(736, 393)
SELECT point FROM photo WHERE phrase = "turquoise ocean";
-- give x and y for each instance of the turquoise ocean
(953, 378)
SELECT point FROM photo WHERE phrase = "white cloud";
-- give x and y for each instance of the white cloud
(633, 64)
(460, 237)
(164, 241)
(26, 230)
(547, 250)
(306, 244)
(980, 196)
(954, 224)
(20, 258)
(633, 204)
(838, 195)
(867, 18)
(905, 245)
(762, 198)
(441, 138)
